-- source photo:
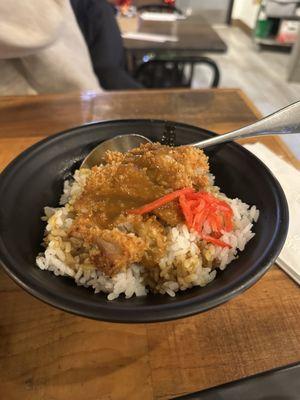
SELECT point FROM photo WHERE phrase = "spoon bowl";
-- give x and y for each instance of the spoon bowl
(121, 143)
(284, 121)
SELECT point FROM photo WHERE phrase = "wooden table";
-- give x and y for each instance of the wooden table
(194, 35)
(47, 354)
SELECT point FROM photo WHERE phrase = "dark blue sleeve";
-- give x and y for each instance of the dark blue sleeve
(98, 24)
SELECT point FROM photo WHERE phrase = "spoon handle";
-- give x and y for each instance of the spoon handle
(284, 121)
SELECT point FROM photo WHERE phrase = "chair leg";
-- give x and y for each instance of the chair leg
(216, 80)
(191, 75)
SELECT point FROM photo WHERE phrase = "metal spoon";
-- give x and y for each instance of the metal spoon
(121, 143)
(284, 121)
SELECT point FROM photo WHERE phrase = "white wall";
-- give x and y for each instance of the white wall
(215, 11)
(245, 10)
(203, 4)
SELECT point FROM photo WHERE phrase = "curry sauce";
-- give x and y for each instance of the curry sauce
(125, 182)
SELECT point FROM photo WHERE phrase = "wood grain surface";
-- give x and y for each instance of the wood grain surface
(47, 354)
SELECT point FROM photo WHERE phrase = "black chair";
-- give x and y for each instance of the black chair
(163, 8)
(175, 72)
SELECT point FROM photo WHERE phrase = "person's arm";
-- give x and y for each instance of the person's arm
(116, 78)
(27, 26)
(102, 34)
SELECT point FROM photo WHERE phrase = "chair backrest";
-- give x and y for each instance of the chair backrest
(173, 72)
(163, 8)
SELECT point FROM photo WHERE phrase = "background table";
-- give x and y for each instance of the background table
(194, 35)
(47, 354)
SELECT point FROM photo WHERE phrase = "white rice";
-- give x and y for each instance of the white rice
(182, 253)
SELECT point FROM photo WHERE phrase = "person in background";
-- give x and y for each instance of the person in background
(42, 49)
(102, 35)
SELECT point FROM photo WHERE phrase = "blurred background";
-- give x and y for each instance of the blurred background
(248, 44)
(81, 45)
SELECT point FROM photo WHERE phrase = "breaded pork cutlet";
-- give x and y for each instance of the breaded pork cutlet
(127, 181)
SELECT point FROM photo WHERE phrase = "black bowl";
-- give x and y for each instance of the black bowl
(35, 179)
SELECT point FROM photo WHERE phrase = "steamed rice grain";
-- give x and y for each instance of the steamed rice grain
(181, 267)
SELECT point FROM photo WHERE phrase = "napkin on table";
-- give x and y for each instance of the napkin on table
(152, 37)
(289, 178)
(155, 16)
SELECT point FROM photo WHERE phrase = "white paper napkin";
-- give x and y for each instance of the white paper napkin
(289, 178)
(157, 16)
(151, 37)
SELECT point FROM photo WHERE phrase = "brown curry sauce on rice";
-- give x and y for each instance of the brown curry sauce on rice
(107, 233)
(128, 181)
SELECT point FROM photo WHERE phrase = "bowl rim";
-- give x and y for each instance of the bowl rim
(153, 313)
